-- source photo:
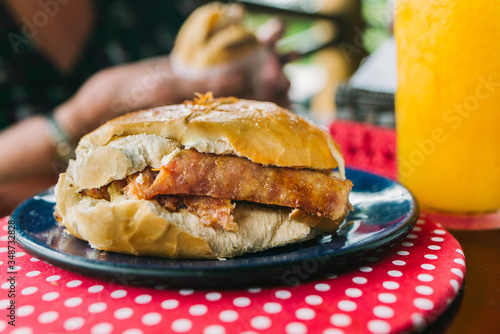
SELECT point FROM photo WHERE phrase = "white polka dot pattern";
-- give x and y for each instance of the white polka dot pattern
(213, 296)
(95, 289)
(305, 314)
(241, 301)
(359, 280)
(272, 308)
(382, 311)
(24, 311)
(354, 292)
(53, 278)
(390, 285)
(228, 316)
(73, 324)
(198, 310)
(314, 300)
(181, 325)
(403, 290)
(123, 313)
(97, 307)
(73, 302)
(169, 304)
(260, 322)
(151, 319)
(143, 299)
(73, 284)
(341, 320)
(379, 327)
(296, 328)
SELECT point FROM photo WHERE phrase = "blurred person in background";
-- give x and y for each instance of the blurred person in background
(67, 66)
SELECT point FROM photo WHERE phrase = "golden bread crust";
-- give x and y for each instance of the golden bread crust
(260, 131)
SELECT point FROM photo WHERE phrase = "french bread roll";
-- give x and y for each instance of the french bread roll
(94, 204)
(213, 35)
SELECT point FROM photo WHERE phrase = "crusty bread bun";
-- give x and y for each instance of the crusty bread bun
(214, 34)
(261, 132)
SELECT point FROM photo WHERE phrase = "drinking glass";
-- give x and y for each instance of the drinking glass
(448, 108)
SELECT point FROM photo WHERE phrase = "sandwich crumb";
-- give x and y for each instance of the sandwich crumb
(207, 102)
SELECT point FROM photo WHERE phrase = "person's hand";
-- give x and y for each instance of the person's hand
(153, 82)
(145, 84)
(273, 80)
(28, 164)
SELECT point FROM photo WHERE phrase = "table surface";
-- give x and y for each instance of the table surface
(477, 308)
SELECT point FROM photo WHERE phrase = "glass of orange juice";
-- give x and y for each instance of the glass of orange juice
(448, 108)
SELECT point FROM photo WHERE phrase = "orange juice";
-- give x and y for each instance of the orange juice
(448, 103)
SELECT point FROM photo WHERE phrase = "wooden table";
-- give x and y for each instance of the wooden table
(477, 308)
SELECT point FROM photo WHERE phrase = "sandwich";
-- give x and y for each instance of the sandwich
(209, 178)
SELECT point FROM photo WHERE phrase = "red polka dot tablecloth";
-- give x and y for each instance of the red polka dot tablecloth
(403, 290)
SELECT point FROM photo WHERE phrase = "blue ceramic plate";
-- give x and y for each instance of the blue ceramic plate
(384, 212)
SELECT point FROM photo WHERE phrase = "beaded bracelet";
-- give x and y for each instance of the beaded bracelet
(64, 148)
